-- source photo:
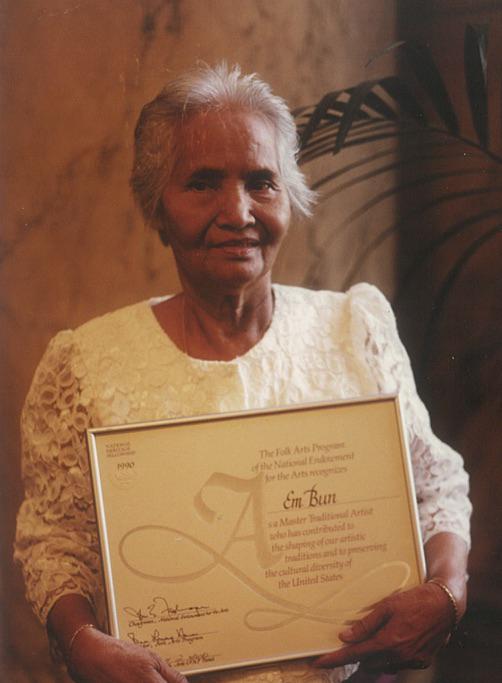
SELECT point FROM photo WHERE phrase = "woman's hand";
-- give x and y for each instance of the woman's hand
(94, 657)
(99, 658)
(403, 631)
(406, 630)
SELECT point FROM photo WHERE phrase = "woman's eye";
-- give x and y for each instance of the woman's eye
(262, 185)
(199, 185)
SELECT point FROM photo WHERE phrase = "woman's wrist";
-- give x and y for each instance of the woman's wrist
(70, 617)
(73, 639)
(454, 606)
(446, 557)
(86, 653)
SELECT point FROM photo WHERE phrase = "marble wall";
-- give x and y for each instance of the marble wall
(75, 74)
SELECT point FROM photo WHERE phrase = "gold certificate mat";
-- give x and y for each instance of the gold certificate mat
(252, 537)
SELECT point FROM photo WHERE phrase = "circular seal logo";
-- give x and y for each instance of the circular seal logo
(125, 474)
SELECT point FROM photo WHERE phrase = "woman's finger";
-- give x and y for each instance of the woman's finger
(360, 638)
(167, 673)
(169, 676)
(365, 628)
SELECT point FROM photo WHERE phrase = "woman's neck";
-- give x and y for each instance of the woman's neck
(217, 327)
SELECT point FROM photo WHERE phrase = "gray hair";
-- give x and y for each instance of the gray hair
(200, 89)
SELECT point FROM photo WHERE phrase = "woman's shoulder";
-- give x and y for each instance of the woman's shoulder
(115, 321)
(361, 299)
(113, 330)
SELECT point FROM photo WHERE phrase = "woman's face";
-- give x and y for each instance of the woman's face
(227, 210)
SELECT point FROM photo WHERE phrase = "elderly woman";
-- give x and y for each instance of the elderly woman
(215, 174)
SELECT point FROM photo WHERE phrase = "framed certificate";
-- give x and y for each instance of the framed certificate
(251, 537)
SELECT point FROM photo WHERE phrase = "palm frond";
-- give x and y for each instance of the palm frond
(400, 93)
(321, 252)
(446, 287)
(358, 97)
(456, 229)
(422, 153)
(427, 74)
(325, 137)
(317, 115)
(405, 224)
(475, 46)
(420, 127)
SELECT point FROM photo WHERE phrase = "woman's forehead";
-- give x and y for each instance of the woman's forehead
(218, 137)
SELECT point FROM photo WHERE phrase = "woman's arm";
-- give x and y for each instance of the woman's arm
(56, 540)
(94, 657)
(406, 630)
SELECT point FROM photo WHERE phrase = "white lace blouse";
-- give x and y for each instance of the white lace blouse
(123, 368)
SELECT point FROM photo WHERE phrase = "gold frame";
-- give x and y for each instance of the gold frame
(288, 530)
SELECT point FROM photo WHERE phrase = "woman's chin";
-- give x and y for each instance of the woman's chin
(235, 274)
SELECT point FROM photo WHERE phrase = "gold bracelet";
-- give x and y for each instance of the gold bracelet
(451, 598)
(72, 641)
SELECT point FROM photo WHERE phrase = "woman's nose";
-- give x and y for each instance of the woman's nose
(235, 209)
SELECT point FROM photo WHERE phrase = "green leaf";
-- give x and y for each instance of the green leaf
(427, 74)
(475, 46)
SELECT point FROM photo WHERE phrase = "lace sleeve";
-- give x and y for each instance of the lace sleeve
(440, 479)
(56, 541)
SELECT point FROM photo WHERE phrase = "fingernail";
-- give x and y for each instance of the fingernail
(347, 633)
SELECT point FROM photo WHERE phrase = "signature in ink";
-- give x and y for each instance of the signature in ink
(160, 610)
(179, 637)
(157, 639)
(191, 660)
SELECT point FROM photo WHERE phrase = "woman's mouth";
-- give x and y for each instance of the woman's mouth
(240, 248)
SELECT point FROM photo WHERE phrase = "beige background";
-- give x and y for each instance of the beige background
(75, 74)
